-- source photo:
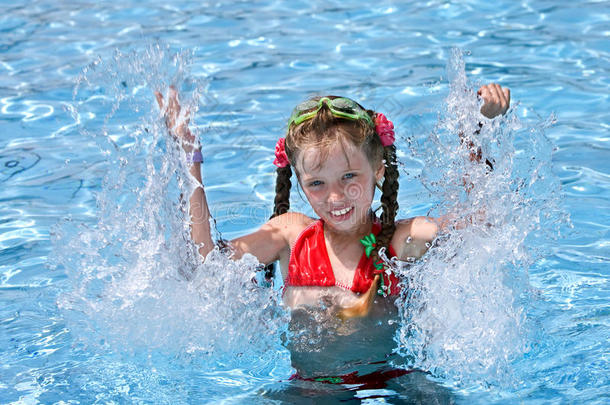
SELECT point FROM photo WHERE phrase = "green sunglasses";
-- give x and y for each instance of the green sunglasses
(339, 107)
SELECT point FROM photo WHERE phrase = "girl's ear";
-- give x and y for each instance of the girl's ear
(380, 172)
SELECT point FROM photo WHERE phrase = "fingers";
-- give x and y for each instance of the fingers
(496, 100)
(502, 96)
(170, 107)
(494, 92)
(177, 119)
(484, 93)
(159, 98)
(173, 104)
(489, 93)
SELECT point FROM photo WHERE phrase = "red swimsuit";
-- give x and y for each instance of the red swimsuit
(309, 264)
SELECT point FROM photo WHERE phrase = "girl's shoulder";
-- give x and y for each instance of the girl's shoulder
(274, 239)
(421, 227)
(293, 219)
(413, 235)
(291, 224)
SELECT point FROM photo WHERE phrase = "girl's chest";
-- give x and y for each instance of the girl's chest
(344, 264)
(331, 298)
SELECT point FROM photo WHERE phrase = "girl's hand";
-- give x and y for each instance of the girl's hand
(177, 121)
(497, 100)
(363, 305)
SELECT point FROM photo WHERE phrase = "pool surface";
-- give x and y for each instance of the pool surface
(102, 300)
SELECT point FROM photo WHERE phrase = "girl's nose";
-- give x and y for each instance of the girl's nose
(336, 192)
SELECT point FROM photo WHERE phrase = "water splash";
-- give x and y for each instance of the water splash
(463, 311)
(137, 285)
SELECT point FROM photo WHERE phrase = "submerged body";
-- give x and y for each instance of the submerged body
(323, 345)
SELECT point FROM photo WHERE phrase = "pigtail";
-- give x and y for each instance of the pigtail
(389, 202)
(281, 204)
(389, 188)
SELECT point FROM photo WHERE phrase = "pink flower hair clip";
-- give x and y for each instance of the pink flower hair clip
(281, 159)
(385, 129)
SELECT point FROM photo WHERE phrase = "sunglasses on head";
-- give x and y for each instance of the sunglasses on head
(340, 107)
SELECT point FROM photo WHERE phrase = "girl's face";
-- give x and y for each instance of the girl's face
(340, 189)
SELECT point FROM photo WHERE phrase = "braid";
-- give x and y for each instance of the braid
(281, 204)
(389, 202)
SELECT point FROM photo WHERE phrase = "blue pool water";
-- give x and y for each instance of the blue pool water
(95, 302)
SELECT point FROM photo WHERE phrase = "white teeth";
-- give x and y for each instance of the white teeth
(341, 212)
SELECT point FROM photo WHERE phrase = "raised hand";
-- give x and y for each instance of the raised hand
(177, 120)
(497, 99)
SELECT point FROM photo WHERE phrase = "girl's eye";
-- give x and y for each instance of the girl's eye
(349, 176)
(315, 183)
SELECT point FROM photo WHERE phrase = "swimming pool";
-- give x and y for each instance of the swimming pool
(152, 338)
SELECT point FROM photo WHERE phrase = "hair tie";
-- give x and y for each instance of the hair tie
(194, 157)
(384, 129)
(281, 160)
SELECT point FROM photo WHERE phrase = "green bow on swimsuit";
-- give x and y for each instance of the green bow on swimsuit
(369, 242)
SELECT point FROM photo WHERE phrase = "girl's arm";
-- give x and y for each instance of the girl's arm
(269, 243)
(177, 123)
(273, 240)
(496, 102)
(413, 236)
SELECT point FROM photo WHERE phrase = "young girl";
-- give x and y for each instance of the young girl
(339, 153)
